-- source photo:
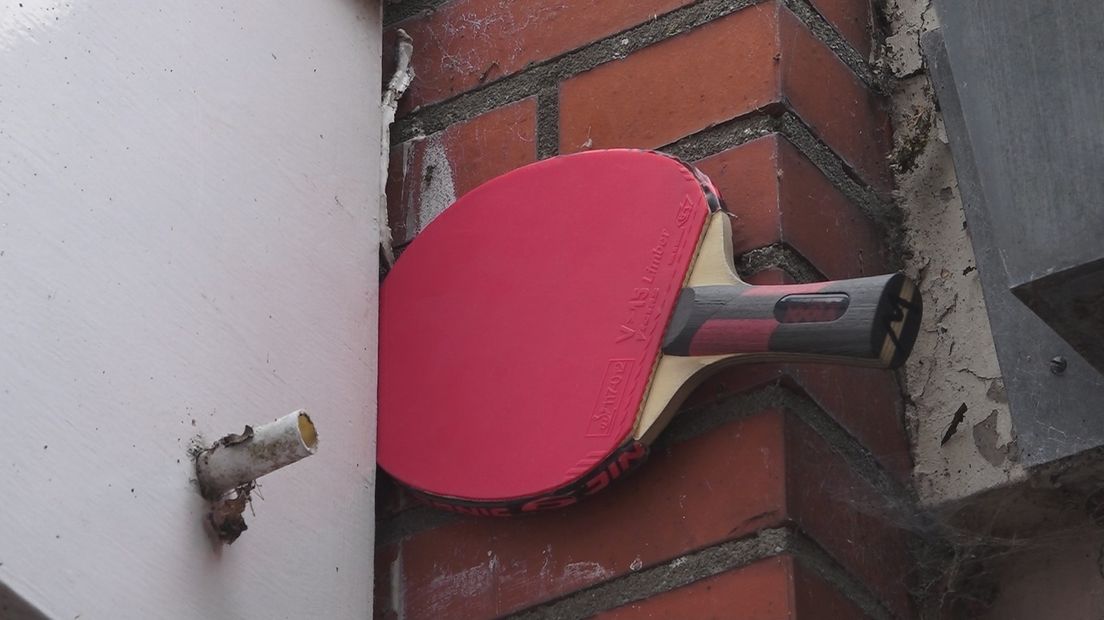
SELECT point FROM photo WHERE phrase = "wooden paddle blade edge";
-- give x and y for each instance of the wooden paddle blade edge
(903, 310)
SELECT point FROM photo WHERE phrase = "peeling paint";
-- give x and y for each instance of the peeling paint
(993, 445)
(954, 363)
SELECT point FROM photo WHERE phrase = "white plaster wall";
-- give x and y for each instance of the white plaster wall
(188, 243)
(954, 363)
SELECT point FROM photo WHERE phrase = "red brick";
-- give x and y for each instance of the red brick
(776, 588)
(853, 19)
(815, 598)
(763, 590)
(758, 58)
(677, 86)
(725, 484)
(468, 43)
(681, 501)
(835, 104)
(864, 401)
(846, 516)
(779, 196)
(462, 156)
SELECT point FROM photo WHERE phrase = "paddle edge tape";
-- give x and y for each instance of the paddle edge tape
(625, 459)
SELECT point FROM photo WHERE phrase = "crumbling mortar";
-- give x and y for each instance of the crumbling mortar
(710, 141)
(639, 585)
(815, 22)
(779, 256)
(721, 137)
(815, 559)
(707, 563)
(548, 123)
(882, 212)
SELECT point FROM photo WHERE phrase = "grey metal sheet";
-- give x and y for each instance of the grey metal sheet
(1031, 88)
(1053, 416)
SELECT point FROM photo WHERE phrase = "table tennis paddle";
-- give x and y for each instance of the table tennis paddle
(539, 334)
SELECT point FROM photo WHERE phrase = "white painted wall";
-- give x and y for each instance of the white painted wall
(188, 203)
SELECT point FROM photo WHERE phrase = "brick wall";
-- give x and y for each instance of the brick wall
(779, 490)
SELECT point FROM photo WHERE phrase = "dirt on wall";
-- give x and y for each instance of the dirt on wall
(963, 443)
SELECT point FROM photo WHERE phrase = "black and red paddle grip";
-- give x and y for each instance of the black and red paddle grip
(869, 321)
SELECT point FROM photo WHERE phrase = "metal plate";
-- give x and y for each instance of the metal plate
(1053, 415)
(1031, 87)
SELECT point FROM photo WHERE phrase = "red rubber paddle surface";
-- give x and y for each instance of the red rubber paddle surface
(520, 329)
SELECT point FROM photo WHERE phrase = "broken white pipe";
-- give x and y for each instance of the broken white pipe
(236, 460)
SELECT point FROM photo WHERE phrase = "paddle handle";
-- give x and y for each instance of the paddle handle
(865, 321)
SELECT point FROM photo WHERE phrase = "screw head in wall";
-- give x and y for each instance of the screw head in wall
(1058, 364)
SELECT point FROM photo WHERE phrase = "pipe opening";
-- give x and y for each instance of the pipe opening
(307, 433)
